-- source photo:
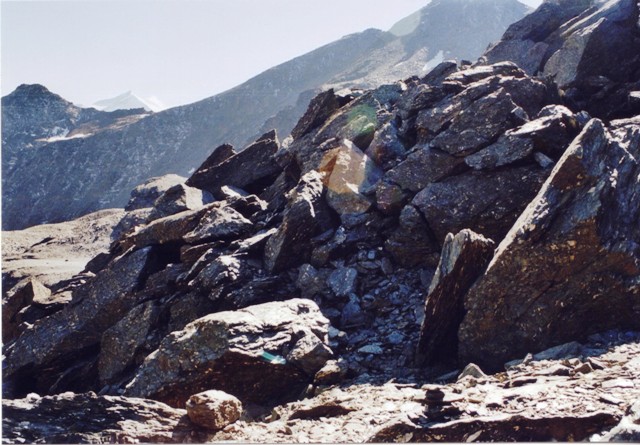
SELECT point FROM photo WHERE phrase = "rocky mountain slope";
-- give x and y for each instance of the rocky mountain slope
(176, 140)
(452, 257)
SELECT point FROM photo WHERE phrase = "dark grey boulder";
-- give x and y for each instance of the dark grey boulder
(219, 222)
(241, 352)
(571, 257)
(169, 229)
(413, 242)
(486, 202)
(422, 167)
(290, 245)
(179, 198)
(478, 125)
(320, 109)
(124, 341)
(252, 169)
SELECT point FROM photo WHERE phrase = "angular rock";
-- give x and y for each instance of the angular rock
(218, 223)
(179, 198)
(100, 304)
(349, 176)
(320, 109)
(236, 352)
(599, 35)
(290, 245)
(213, 409)
(309, 353)
(342, 281)
(252, 169)
(464, 257)
(413, 242)
(481, 72)
(523, 42)
(390, 198)
(571, 256)
(385, 148)
(422, 167)
(145, 195)
(87, 418)
(216, 272)
(359, 120)
(18, 297)
(486, 202)
(219, 154)
(507, 150)
(551, 132)
(122, 342)
(478, 125)
(567, 350)
(129, 222)
(169, 229)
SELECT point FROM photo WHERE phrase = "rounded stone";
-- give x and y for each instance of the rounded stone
(213, 409)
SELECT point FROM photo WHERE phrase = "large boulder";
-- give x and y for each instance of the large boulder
(179, 198)
(259, 354)
(570, 265)
(123, 342)
(252, 169)
(213, 409)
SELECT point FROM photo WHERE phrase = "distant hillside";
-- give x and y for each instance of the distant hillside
(99, 170)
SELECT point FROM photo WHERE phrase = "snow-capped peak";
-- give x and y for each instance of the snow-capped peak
(126, 101)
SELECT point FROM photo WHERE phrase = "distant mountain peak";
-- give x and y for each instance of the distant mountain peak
(32, 92)
(125, 101)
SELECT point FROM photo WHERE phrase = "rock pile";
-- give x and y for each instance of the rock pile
(361, 250)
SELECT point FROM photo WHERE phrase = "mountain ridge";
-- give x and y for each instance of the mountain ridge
(174, 140)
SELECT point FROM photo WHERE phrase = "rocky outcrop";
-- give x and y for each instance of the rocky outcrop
(88, 418)
(572, 256)
(590, 49)
(304, 283)
(261, 354)
(79, 326)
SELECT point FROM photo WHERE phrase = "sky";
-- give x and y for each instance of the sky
(170, 52)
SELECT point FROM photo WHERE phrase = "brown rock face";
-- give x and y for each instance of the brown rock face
(464, 256)
(572, 256)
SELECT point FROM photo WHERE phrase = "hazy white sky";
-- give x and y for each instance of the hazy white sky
(177, 51)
